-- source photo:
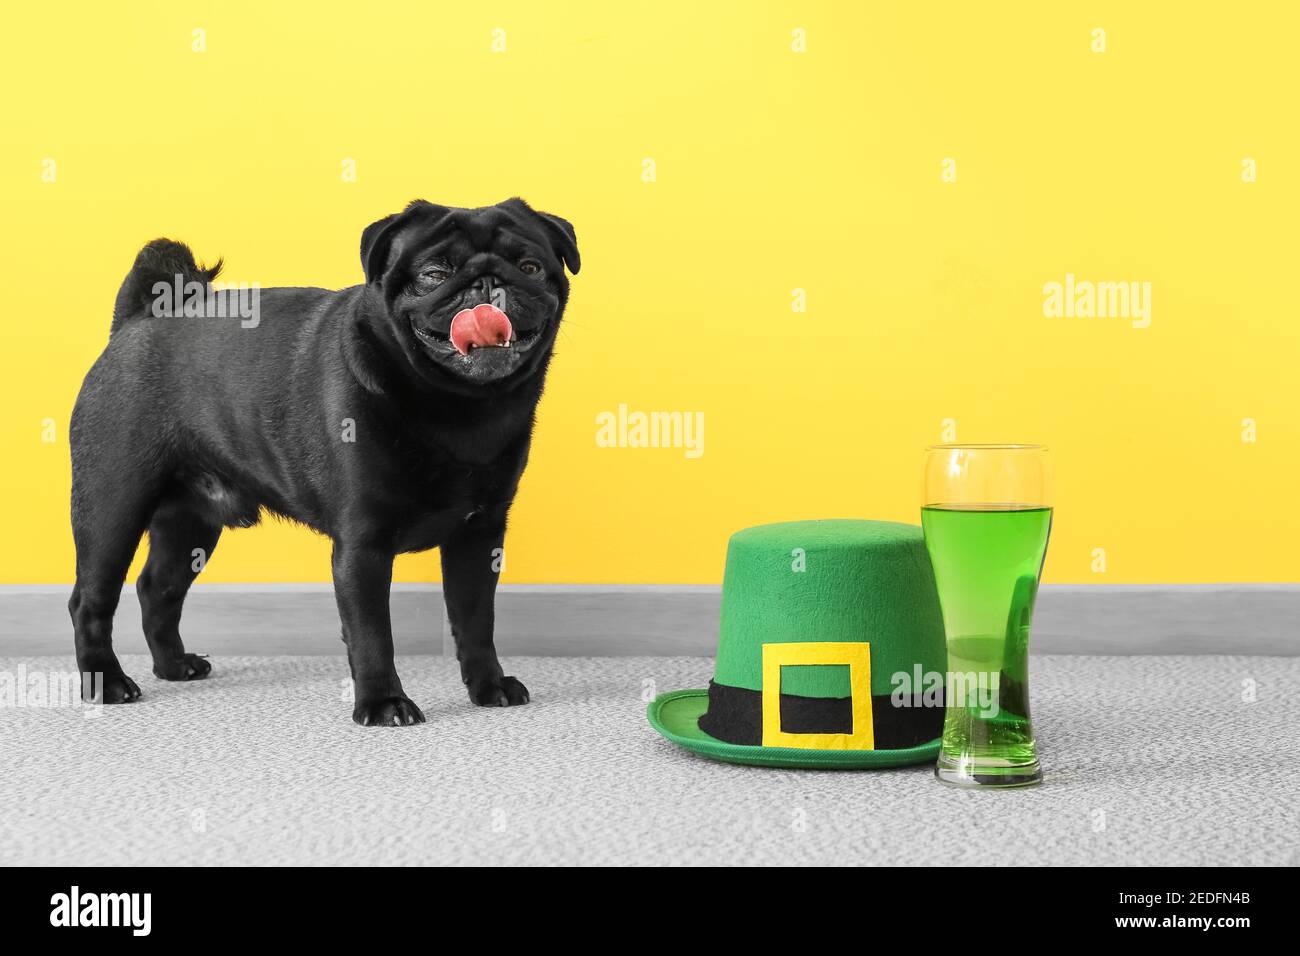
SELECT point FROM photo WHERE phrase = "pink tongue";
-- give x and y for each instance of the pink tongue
(482, 326)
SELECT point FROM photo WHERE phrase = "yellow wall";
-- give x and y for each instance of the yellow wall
(776, 170)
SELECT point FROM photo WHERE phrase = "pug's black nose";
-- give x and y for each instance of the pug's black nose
(490, 291)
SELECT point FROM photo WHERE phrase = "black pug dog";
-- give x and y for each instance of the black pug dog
(393, 416)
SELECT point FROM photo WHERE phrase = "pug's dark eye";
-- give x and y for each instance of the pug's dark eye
(530, 267)
(430, 277)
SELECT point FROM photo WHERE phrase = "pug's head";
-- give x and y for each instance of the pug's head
(473, 297)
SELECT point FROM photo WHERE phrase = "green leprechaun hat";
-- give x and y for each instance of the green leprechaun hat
(819, 620)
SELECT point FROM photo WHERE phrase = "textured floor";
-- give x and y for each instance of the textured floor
(1150, 760)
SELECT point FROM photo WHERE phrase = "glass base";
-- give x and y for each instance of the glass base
(987, 775)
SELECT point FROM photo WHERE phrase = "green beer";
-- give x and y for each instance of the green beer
(987, 515)
(987, 559)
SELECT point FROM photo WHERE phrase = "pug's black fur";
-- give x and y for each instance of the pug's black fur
(350, 412)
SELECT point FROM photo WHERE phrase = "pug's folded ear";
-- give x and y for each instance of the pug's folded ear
(380, 247)
(374, 247)
(564, 239)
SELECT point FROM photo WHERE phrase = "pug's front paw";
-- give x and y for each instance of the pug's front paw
(185, 667)
(387, 712)
(496, 692)
(113, 687)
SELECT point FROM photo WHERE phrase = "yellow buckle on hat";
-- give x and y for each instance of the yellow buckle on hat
(857, 655)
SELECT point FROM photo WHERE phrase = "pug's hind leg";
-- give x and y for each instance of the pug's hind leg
(181, 540)
(107, 522)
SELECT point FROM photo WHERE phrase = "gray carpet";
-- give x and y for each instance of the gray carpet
(1150, 760)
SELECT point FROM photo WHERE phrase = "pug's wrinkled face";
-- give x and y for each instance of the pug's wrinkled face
(474, 295)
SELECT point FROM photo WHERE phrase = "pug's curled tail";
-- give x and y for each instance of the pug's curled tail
(150, 287)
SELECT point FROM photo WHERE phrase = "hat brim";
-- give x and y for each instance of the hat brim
(676, 716)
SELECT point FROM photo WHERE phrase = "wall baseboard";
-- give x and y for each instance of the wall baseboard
(620, 620)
